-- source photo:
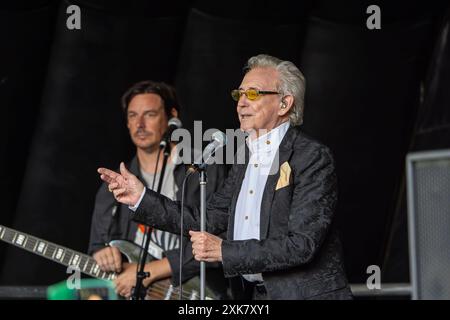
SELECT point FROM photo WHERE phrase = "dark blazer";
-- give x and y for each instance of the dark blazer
(112, 220)
(299, 254)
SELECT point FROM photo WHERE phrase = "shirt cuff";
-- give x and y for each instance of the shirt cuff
(134, 208)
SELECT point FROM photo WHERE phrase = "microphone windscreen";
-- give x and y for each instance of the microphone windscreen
(220, 137)
(175, 122)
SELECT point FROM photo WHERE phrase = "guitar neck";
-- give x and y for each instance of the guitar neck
(54, 252)
(86, 264)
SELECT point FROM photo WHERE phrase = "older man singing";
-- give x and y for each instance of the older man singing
(281, 241)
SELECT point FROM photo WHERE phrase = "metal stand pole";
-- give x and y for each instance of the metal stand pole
(203, 182)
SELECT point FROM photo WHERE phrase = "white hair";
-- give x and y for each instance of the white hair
(291, 82)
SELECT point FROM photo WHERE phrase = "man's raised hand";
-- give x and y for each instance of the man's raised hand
(126, 187)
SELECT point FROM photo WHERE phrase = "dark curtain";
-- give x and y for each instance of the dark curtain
(26, 30)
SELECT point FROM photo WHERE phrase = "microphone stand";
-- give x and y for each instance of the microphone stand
(203, 181)
(219, 139)
(139, 291)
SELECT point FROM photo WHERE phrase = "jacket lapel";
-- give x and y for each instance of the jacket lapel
(179, 173)
(284, 154)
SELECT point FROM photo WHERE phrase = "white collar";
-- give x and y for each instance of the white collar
(269, 141)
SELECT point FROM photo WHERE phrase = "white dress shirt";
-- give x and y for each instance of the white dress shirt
(248, 208)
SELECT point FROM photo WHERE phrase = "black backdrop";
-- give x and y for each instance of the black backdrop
(370, 94)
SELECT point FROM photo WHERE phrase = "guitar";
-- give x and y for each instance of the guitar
(159, 290)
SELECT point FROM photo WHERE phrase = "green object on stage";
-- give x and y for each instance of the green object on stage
(88, 289)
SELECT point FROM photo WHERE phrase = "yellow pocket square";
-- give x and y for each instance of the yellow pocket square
(285, 176)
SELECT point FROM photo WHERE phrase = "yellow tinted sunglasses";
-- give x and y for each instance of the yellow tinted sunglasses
(251, 94)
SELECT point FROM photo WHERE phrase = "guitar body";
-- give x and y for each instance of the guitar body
(129, 249)
(191, 289)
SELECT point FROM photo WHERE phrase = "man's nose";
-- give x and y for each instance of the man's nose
(141, 122)
(242, 105)
(243, 101)
(243, 98)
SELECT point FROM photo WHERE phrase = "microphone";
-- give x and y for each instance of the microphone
(174, 123)
(219, 139)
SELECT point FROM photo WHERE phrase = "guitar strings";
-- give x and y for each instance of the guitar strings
(174, 292)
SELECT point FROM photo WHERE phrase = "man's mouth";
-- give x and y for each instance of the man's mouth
(244, 116)
(142, 134)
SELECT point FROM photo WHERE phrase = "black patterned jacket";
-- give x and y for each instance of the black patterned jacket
(299, 254)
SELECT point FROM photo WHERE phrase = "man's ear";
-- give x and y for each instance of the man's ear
(174, 112)
(285, 105)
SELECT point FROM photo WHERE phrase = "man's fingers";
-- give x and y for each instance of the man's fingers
(205, 256)
(104, 263)
(110, 259)
(119, 192)
(101, 262)
(106, 178)
(124, 171)
(117, 259)
(194, 235)
(113, 186)
(202, 248)
(111, 177)
(108, 173)
(119, 286)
